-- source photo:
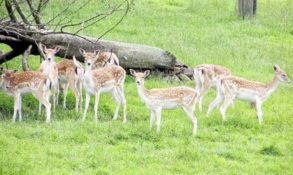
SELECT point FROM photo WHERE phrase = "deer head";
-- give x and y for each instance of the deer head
(89, 58)
(281, 75)
(50, 53)
(139, 76)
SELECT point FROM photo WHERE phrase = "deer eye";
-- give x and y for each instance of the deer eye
(284, 75)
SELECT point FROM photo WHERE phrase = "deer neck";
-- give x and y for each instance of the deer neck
(142, 91)
(272, 86)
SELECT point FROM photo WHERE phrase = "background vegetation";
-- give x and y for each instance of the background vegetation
(206, 31)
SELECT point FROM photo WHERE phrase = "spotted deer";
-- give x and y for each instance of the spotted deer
(106, 79)
(231, 87)
(206, 76)
(49, 69)
(166, 98)
(105, 59)
(16, 84)
(71, 76)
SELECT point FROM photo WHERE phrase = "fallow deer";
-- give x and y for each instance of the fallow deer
(105, 79)
(16, 84)
(49, 69)
(206, 76)
(70, 76)
(106, 59)
(231, 87)
(166, 98)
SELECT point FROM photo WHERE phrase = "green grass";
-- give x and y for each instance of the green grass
(206, 31)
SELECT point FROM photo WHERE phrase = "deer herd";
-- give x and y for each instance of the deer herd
(101, 73)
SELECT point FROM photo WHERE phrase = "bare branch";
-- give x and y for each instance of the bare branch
(41, 51)
(10, 11)
(10, 55)
(24, 60)
(121, 19)
(35, 14)
(18, 9)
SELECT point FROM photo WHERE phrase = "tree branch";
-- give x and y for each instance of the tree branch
(18, 9)
(24, 60)
(35, 14)
(10, 11)
(10, 55)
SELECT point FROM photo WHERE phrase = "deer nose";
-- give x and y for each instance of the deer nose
(49, 59)
(88, 64)
(138, 82)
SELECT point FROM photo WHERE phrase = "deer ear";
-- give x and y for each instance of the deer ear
(44, 47)
(146, 73)
(57, 49)
(82, 51)
(96, 52)
(76, 63)
(132, 72)
(276, 67)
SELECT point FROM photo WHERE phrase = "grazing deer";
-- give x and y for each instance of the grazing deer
(50, 70)
(16, 84)
(70, 76)
(206, 76)
(105, 79)
(231, 87)
(105, 59)
(168, 98)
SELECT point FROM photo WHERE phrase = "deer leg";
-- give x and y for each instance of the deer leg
(80, 94)
(190, 113)
(158, 120)
(118, 103)
(87, 103)
(228, 100)
(44, 99)
(97, 98)
(76, 94)
(123, 100)
(19, 108)
(65, 91)
(259, 111)
(16, 103)
(202, 93)
(216, 102)
(152, 119)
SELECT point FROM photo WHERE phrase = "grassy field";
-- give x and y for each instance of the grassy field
(206, 31)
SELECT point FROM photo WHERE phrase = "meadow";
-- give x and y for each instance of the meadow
(206, 31)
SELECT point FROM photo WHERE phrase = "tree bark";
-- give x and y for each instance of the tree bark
(131, 56)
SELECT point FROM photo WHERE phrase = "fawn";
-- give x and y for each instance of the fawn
(105, 59)
(49, 69)
(231, 87)
(167, 98)
(104, 79)
(71, 76)
(206, 76)
(16, 84)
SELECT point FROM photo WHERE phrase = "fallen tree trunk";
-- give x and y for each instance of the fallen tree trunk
(134, 56)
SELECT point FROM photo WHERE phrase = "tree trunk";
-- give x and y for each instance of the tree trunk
(247, 8)
(131, 56)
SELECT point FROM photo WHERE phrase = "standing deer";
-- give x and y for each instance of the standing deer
(206, 76)
(168, 98)
(71, 76)
(16, 84)
(105, 79)
(106, 59)
(50, 70)
(231, 87)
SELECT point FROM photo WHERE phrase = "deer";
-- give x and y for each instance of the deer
(206, 76)
(106, 59)
(231, 87)
(166, 98)
(70, 76)
(49, 69)
(15, 84)
(105, 79)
